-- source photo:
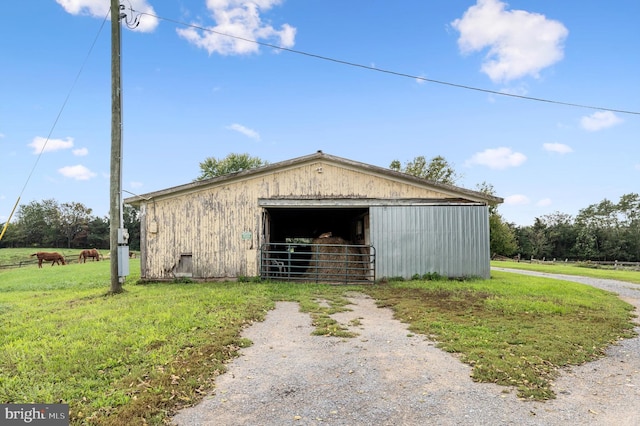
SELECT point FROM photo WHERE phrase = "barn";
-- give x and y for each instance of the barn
(314, 218)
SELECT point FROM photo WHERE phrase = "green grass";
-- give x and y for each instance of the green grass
(13, 256)
(582, 269)
(514, 330)
(136, 357)
(23, 255)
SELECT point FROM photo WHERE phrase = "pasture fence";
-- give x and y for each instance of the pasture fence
(33, 261)
(596, 264)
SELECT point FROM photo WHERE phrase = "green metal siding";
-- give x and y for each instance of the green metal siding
(451, 240)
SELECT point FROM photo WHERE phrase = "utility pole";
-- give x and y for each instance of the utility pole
(118, 236)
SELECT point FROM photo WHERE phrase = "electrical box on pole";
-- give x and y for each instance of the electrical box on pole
(123, 253)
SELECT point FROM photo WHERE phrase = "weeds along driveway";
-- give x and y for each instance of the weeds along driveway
(389, 376)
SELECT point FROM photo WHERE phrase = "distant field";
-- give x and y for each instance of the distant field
(572, 269)
(12, 257)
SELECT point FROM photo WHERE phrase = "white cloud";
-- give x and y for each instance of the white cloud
(599, 120)
(560, 148)
(78, 172)
(80, 152)
(520, 43)
(135, 184)
(637, 166)
(240, 19)
(40, 144)
(544, 202)
(245, 131)
(99, 9)
(516, 200)
(498, 158)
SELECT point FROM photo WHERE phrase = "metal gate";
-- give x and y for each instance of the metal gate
(331, 263)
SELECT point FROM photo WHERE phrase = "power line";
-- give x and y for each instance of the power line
(396, 73)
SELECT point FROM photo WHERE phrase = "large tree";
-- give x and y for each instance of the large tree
(540, 236)
(524, 241)
(212, 167)
(10, 238)
(437, 169)
(38, 223)
(560, 235)
(98, 233)
(74, 222)
(629, 208)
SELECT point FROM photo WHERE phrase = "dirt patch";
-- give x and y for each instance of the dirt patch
(389, 376)
(442, 299)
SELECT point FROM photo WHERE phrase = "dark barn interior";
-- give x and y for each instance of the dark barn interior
(293, 235)
(308, 223)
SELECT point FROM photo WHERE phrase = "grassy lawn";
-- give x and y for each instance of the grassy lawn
(514, 330)
(134, 358)
(584, 270)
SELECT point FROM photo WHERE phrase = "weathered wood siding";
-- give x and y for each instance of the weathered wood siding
(327, 180)
(219, 224)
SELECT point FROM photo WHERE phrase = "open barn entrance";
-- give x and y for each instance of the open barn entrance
(288, 224)
(317, 244)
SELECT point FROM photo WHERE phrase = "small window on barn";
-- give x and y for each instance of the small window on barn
(184, 268)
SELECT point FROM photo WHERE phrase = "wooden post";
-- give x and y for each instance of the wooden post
(115, 192)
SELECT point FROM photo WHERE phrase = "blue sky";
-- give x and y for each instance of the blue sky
(190, 94)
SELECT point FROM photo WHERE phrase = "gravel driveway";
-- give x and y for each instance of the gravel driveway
(387, 376)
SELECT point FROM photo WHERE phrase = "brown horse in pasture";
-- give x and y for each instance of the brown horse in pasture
(88, 253)
(54, 257)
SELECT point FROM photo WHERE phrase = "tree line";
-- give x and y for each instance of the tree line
(606, 231)
(49, 223)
